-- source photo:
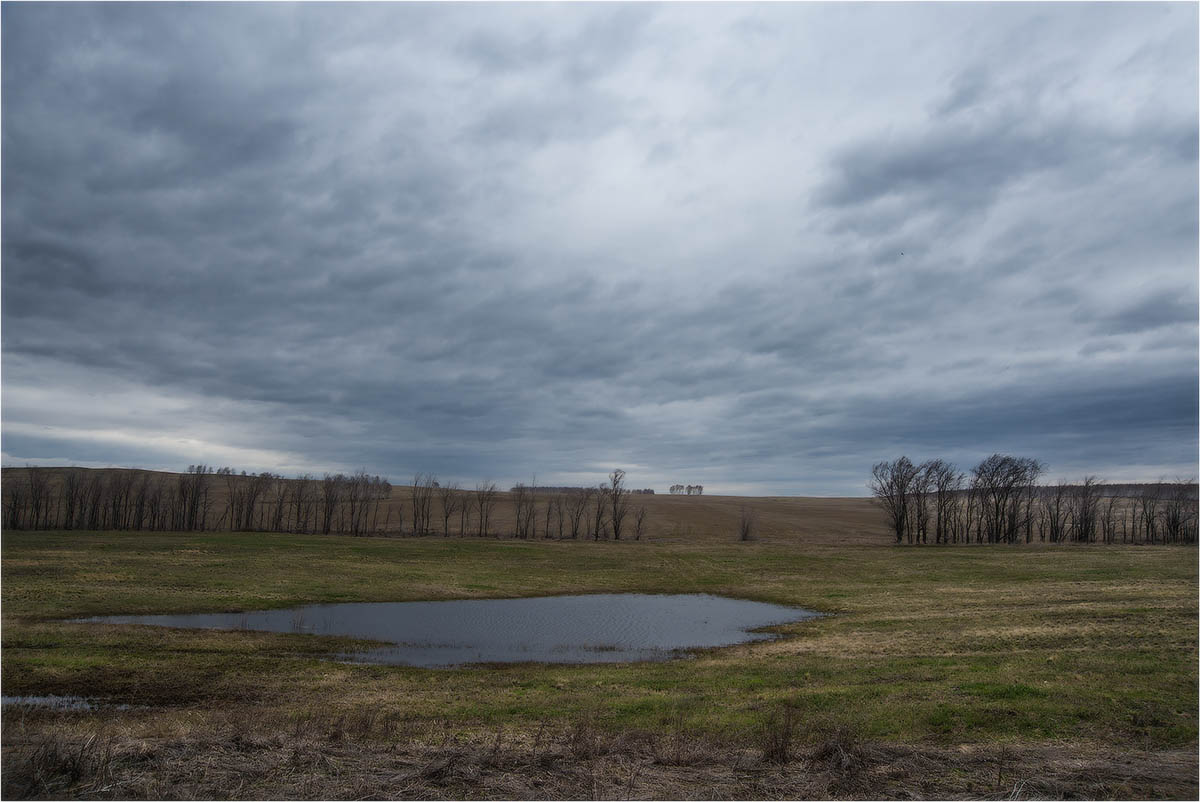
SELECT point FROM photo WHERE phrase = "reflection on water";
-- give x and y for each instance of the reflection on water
(556, 629)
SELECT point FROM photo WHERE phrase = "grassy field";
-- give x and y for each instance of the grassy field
(952, 672)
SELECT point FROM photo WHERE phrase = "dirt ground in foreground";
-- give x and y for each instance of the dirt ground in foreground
(571, 763)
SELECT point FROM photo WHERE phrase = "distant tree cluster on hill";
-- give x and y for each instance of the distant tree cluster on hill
(206, 498)
(687, 490)
(1000, 501)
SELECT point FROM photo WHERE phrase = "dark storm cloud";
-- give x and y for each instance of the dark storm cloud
(717, 244)
(1160, 309)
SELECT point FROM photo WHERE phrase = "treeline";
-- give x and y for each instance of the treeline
(687, 490)
(202, 498)
(647, 491)
(207, 498)
(1001, 501)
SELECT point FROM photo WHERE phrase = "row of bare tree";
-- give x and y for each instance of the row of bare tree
(1000, 501)
(589, 512)
(633, 491)
(205, 498)
(79, 499)
(687, 490)
(200, 499)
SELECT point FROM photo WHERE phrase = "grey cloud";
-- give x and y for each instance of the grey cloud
(538, 120)
(966, 90)
(454, 239)
(1160, 309)
(964, 168)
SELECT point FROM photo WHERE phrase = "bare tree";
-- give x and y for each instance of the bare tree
(577, 505)
(891, 484)
(1056, 508)
(524, 503)
(93, 501)
(72, 496)
(464, 515)
(331, 496)
(141, 495)
(382, 496)
(1108, 522)
(256, 486)
(1147, 511)
(1086, 497)
(639, 522)
(450, 498)
(618, 499)
(549, 516)
(279, 505)
(1003, 485)
(746, 524)
(155, 498)
(301, 496)
(193, 498)
(422, 501)
(485, 501)
(922, 483)
(16, 501)
(233, 498)
(600, 504)
(946, 481)
(560, 512)
(358, 503)
(1179, 513)
(120, 490)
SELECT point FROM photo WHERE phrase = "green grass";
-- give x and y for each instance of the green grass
(966, 644)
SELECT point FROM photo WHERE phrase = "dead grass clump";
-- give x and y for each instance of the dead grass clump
(438, 770)
(776, 736)
(848, 767)
(584, 739)
(841, 752)
(54, 765)
(681, 748)
(355, 725)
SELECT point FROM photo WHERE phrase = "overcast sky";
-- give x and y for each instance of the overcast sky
(757, 247)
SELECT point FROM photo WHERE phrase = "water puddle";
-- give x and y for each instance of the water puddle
(74, 703)
(601, 628)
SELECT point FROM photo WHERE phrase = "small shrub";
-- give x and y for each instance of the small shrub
(582, 740)
(776, 736)
(746, 524)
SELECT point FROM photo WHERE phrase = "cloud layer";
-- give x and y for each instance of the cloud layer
(758, 247)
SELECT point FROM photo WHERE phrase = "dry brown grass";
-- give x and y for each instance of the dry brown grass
(236, 754)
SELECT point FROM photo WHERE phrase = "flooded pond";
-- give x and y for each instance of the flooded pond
(604, 628)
